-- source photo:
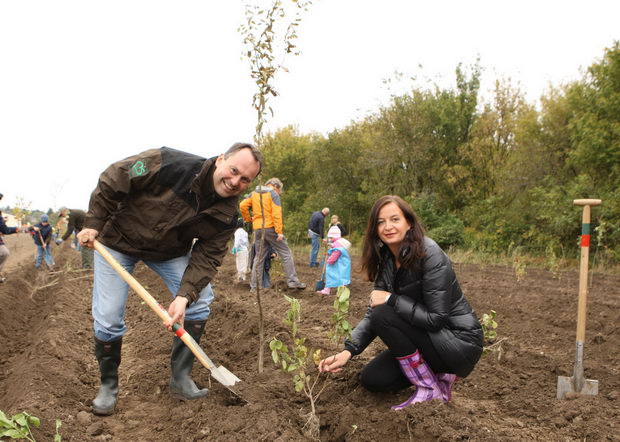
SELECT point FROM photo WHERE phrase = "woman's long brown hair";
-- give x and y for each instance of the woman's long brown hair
(411, 250)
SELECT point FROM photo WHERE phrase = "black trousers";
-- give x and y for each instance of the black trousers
(383, 373)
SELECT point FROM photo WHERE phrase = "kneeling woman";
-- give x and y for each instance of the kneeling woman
(417, 308)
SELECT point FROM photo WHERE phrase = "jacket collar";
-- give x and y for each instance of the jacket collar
(202, 185)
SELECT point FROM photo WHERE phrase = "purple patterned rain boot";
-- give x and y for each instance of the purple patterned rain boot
(422, 377)
(446, 381)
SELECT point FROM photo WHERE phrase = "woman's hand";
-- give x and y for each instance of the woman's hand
(378, 297)
(334, 363)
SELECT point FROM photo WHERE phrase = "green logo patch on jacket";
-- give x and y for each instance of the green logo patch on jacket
(138, 169)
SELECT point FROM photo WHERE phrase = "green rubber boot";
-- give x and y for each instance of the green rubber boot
(182, 386)
(109, 357)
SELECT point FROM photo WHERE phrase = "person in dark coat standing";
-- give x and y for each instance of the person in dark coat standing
(316, 233)
(75, 223)
(417, 308)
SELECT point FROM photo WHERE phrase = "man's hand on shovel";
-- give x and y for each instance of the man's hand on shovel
(176, 311)
(87, 236)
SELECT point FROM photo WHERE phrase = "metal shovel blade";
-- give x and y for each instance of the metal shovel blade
(577, 384)
(221, 373)
(567, 387)
(224, 376)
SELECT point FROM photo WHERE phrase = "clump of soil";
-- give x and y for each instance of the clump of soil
(48, 369)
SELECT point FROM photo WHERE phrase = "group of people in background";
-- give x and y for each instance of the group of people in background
(177, 212)
(262, 208)
(44, 235)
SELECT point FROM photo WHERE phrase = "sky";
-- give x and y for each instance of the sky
(84, 83)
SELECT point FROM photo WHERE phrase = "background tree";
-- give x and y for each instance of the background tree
(490, 174)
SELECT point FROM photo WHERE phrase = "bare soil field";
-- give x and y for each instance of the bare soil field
(48, 369)
(22, 250)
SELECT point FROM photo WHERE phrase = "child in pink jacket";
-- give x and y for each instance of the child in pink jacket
(338, 268)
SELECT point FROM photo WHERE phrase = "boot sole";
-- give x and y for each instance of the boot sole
(179, 396)
(100, 412)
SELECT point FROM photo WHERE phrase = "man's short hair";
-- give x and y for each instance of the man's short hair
(258, 156)
(275, 182)
(325, 210)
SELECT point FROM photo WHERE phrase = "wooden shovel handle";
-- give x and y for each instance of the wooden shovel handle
(583, 267)
(587, 202)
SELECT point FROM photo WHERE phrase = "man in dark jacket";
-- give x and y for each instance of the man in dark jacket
(316, 233)
(176, 212)
(4, 250)
(75, 223)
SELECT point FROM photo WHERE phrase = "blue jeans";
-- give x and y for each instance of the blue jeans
(316, 245)
(281, 247)
(110, 293)
(44, 253)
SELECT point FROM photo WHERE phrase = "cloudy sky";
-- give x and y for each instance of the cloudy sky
(84, 83)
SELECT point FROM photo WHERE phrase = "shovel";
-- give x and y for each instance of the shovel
(220, 374)
(569, 386)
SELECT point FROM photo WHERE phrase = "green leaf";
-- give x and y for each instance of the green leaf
(13, 434)
(21, 419)
(275, 357)
(316, 357)
(34, 420)
(344, 295)
(275, 344)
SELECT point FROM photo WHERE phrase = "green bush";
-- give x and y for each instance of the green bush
(443, 227)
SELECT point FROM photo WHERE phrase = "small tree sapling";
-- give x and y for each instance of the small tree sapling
(295, 359)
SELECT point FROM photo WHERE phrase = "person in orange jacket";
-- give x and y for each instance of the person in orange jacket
(266, 218)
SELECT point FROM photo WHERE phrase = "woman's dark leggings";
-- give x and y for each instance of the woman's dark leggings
(383, 373)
